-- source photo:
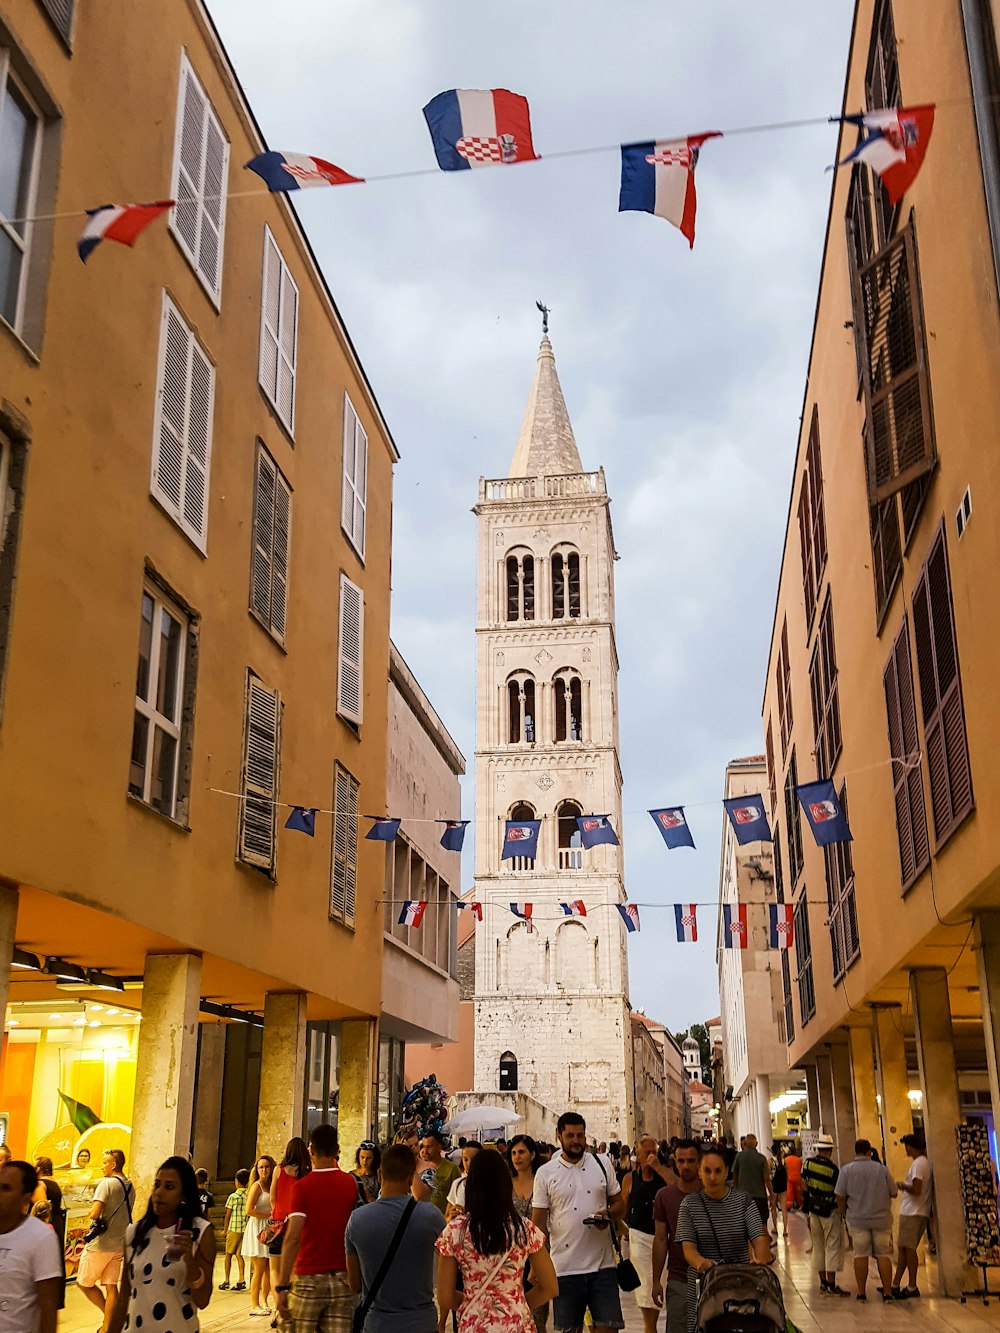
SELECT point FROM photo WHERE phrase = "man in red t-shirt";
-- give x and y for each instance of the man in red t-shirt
(318, 1296)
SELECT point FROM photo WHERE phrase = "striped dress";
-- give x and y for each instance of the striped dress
(721, 1229)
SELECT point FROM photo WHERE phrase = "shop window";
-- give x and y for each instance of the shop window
(321, 1102)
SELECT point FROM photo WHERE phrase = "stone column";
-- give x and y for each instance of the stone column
(165, 1063)
(987, 941)
(8, 932)
(812, 1097)
(844, 1130)
(824, 1079)
(893, 1085)
(862, 1061)
(282, 1071)
(208, 1096)
(358, 1083)
(543, 589)
(762, 1093)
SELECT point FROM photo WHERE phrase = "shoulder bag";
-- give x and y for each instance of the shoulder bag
(361, 1311)
(100, 1224)
(628, 1278)
(471, 1301)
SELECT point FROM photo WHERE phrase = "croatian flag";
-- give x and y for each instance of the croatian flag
(686, 920)
(475, 908)
(629, 913)
(282, 172)
(576, 908)
(824, 812)
(412, 913)
(893, 144)
(673, 826)
(781, 924)
(302, 820)
(735, 934)
(520, 838)
(383, 830)
(453, 836)
(658, 177)
(523, 910)
(118, 222)
(475, 128)
(595, 829)
(746, 814)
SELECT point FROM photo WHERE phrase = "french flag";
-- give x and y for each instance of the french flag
(735, 934)
(658, 178)
(118, 222)
(471, 127)
(576, 908)
(412, 913)
(893, 144)
(282, 172)
(686, 921)
(629, 914)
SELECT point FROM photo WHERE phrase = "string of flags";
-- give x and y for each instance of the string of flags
(474, 128)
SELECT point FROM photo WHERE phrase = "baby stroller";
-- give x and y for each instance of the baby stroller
(740, 1298)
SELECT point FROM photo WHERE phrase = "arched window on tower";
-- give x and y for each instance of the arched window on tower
(568, 690)
(521, 811)
(521, 709)
(520, 566)
(570, 842)
(565, 584)
(508, 1072)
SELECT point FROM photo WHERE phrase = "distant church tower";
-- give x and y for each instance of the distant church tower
(551, 1004)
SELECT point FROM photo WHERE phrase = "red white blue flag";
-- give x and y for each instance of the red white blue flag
(412, 913)
(576, 908)
(629, 914)
(893, 143)
(781, 924)
(596, 829)
(686, 921)
(673, 826)
(282, 172)
(118, 222)
(658, 178)
(746, 814)
(475, 908)
(520, 838)
(735, 934)
(472, 127)
(382, 830)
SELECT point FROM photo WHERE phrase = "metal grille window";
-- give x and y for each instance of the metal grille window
(158, 725)
(907, 776)
(257, 844)
(792, 823)
(20, 146)
(61, 14)
(882, 90)
(945, 740)
(272, 524)
(279, 332)
(783, 679)
(803, 960)
(845, 943)
(201, 171)
(825, 694)
(354, 501)
(786, 971)
(344, 853)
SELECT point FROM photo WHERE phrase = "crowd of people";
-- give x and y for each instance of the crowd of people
(419, 1236)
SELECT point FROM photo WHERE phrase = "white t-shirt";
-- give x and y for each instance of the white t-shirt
(570, 1191)
(28, 1254)
(456, 1195)
(917, 1205)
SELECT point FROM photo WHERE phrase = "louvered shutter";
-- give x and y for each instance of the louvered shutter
(258, 819)
(279, 556)
(169, 449)
(287, 348)
(355, 483)
(200, 180)
(279, 317)
(904, 747)
(182, 437)
(805, 544)
(270, 311)
(213, 210)
(349, 676)
(344, 860)
(199, 441)
(61, 14)
(263, 537)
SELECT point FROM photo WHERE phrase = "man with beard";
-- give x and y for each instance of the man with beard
(575, 1201)
(666, 1206)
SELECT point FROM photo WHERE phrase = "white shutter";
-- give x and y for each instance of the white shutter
(263, 537)
(199, 441)
(201, 168)
(279, 555)
(279, 319)
(261, 750)
(288, 347)
(172, 409)
(349, 674)
(354, 498)
(344, 855)
(213, 211)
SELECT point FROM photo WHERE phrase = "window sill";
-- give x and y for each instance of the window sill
(271, 634)
(140, 804)
(31, 356)
(344, 925)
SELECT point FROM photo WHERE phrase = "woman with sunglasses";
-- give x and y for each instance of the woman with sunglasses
(367, 1160)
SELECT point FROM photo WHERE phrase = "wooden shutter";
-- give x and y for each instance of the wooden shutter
(261, 749)
(771, 779)
(182, 445)
(200, 180)
(818, 503)
(349, 675)
(825, 692)
(272, 515)
(213, 202)
(792, 823)
(355, 485)
(199, 441)
(887, 554)
(945, 741)
(344, 858)
(904, 747)
(61, 14)
(279, 556)
(784, 684)
(279, 315)
(805, 543)
(288, 348)
(900, 430)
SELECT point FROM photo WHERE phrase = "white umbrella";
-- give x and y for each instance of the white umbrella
(478, 1118)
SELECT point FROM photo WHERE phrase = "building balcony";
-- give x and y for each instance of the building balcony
(503, 490)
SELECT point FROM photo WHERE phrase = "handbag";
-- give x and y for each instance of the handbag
(361, 1310)
(271, 1230)
(625, 1270)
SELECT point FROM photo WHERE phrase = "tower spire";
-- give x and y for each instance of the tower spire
(546, 445)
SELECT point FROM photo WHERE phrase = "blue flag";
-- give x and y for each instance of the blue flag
(746, 814)
(595, 829)
(520, 838)
(383, 829)
(453, 836)
(673, 826)
(302, 820)
(824, 812)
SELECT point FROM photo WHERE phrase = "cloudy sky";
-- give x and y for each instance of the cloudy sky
(683, 372)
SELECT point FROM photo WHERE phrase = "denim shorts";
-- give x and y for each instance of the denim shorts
(579, 1292)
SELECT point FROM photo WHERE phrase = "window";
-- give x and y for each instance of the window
(845, 942)
(568, 689)
(887, 554)
(565, 584)
(784, 682)
(20, 143)
(520, 811)
(904, 747)
(508, 1072)
(159, 728)
(61, 14)
(570, 841)
(803, 960)
(353, 506)
(520, 571)
(272, 521)
(882, 90)
(825, 694)
(521, 709)
(945, 741)
(786, 971)
(279, 332)
(771, 778)
(792, 823)
(352, 630)
(812, 522)
(344, 853)
(258, 840)
(201, 173)
(182, 434)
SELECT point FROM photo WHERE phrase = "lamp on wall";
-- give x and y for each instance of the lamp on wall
(63, 971)
(22, 959)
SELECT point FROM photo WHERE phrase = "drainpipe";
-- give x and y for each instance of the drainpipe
(989, 153)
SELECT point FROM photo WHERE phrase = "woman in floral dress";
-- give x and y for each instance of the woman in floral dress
(490, 1244)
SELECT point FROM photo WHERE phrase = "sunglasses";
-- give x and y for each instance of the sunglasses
(367, 1145)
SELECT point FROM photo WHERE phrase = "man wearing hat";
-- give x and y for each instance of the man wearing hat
(819, 1182)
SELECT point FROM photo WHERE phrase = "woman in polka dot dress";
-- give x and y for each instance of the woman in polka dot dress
(169, 1256)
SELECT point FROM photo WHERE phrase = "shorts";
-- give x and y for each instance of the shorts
(828, 1242)
(868, 1242)
(274, 1248)
(912, 1227)
(322, 1302)
(764, 1208)
(677, 1306)
(579, 1292)
(234, 1239)
(640, 1251)
(99, 1267)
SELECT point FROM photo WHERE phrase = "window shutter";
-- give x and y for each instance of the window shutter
(279, 561)
(200, 179)
(182, 438)
(818, 507)
(355, 493)
(771, 779)
(887, 554)
(288, 348)
(904, 747)
(270, 307)
(344, 870)
(168, 463)
(258, 816)
(213, 209)
(805, 543)
(263, 537)
(199, 441)
(279, 316)
(192, 113)
(61, 14)
(349, 676)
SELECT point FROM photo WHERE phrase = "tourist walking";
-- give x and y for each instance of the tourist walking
(914, 1215)
(437, 1172)
(367, 1160)
(666, 1248)
(258, 1214)
(752, 1175)
(793, 1165)
(313, 1291)
(716, 1226)
(100, 1269)
(54, 1197)
(169, 1257)
(32, 1269)
(575, 1203)
(826, 1227)
(295, 1165)
(400, 1299)
(779, 1190)
(523, 1165)
(865, 1191)
(235, 1225)
(490, 1245)
(639, 1190)
(455, 1205)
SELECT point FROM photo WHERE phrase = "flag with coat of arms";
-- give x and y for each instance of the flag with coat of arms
(782, 925)
(475, 127)
(746, 814)
(629, 914)
(520, 838)
(575, 908)
(475, 908)
(596, 829)
(412, 913)
(735, 934)
(658, 178)
(686, 921)
(893, 143)
(824, 812)
(673, 826)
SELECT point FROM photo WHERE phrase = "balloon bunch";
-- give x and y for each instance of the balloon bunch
(426, 1105)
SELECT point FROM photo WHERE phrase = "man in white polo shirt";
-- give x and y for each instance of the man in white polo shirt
(574, 1202)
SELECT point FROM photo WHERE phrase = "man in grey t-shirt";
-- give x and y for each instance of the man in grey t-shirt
(101, 1262)
(752, 1175)
(865, 1191)
(404, 1302)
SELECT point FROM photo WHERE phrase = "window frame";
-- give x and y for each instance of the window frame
(267, 559)
(349, 485)
(912, 832)
(803, 961)
(845, 936)
(353, 716)
(793, 823)
(272, 252)
(824, 690)
(783, 680)
(267, 863)
(187, 68)
(346, 791)
(179, 731)
(22, 243)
